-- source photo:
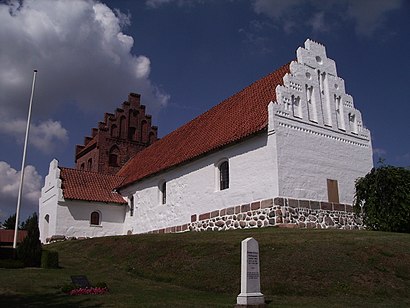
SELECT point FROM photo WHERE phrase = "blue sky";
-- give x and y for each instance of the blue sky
(183, 56)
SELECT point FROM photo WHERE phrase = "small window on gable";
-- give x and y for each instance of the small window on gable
(131, 133)
(223, 175)
(353, 123)
(89, 164)
(131, 205)
(163, 192)
(332, 191)
(95, 219)
(113, 156)
(82, 166)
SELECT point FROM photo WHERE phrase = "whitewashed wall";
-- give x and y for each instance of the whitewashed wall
(74, 219)
(51, 194)
(320, 134)
(71, 218)
(193, 188)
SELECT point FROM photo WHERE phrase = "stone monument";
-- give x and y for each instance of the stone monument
(250, 275)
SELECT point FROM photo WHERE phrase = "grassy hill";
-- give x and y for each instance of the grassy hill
(325, 268)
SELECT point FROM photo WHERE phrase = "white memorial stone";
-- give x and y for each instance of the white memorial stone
(250, 274)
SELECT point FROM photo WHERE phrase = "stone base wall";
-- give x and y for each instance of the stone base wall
(280, 212)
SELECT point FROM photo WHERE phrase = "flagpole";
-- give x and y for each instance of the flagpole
(23, 163)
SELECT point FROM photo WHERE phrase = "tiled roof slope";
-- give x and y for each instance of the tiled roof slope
(237, 117)
(90, 186)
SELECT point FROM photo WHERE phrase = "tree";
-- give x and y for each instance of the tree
(383, 199)
(10, 222)
(29, 250)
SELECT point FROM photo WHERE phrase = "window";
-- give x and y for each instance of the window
(89, 164)
(113, 156)
(95, 219)
(131, 133)
(332, 191)
(353, 123)
(223, 175)
(296, 106)
(131, 205)
(163, 192)
(82, 166)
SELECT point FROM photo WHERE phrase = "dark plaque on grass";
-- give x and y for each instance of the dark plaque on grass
(80, 281)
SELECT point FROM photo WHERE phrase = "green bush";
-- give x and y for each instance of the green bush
(29, 250)
(383, 199)
(49, 259)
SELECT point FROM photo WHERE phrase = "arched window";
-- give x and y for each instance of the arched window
(131, 133)
(113, 156)
(89, 164)
(353, 123)
(95, 219)
(82, 166)
(223, 175)
(114, 131)
(163, 192)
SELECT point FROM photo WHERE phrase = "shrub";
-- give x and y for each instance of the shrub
(383, 199)
(29, 250)
(49, 259)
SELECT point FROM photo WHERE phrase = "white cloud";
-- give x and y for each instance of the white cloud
(317, 22)
(370, 14)
(44, 136)
(82, 56)
(9, 184)
(367, 15)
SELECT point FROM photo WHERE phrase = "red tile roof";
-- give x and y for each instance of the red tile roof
(7, 236)
(90, 186)
(235, 118)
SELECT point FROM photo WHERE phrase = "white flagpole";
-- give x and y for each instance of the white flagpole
(23, 163)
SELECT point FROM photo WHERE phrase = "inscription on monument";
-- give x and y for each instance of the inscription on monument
(250, 274)
(253, 265)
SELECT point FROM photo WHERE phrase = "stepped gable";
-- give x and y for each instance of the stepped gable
(235, 118)
(90, 186)
(116, 139)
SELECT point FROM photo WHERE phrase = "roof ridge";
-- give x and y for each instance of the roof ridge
(93, 172)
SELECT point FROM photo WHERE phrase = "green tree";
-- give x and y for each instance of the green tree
(10, 222)
(383, 199)
(29, 250)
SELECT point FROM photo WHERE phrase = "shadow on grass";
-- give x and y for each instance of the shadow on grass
(46, 300)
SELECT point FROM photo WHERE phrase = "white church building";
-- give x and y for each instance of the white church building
(285, 151)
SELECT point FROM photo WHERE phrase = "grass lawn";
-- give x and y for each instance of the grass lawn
(299, 267)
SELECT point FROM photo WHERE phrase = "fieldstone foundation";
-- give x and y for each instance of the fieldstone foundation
(280, 212)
